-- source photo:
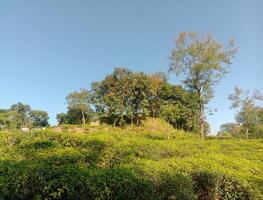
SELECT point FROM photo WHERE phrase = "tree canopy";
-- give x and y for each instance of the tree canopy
(204, 61)
(248, 114)
(20, 115)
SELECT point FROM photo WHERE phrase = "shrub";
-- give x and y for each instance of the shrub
(176, 185)
(219, 186)
(230, 188)
(108, 163)
(205, 185)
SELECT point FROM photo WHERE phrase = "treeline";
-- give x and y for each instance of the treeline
(21, 116)
(249, 116)
(127, 97)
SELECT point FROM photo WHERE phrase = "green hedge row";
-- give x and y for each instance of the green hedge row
(41, 180)
(123, 165)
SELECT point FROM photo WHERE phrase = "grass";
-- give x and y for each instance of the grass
(100, 162)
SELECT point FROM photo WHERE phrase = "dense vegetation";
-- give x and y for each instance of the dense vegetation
(88, 162)
(20, 115)
(249, 116)
(127, 97)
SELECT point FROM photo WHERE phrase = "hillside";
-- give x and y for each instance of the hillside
(101, 162)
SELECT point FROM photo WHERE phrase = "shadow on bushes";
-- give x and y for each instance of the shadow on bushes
(27, 180)
(210, 186)
(39, 145)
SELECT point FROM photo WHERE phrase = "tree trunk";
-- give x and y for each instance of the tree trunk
(168, 130)
(246, 133)
(132, 121)
(202, 129)
(153, 113)
(201, 118)
(83, 117)
(137, 121)
(114, 122)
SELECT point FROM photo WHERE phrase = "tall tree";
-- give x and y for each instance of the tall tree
(80, 100)
(248, 114)
(157, 81)
(122, 97)
(204, 61)
(111, 96)
(140, 96)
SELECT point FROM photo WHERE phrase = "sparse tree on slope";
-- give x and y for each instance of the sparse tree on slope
(248, 114)
(204, 61)
(79, 100)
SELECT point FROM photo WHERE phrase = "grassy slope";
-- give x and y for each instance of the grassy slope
(145, 152)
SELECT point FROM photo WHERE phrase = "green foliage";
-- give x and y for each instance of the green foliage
(205, 185)
(79, 102)
(132, 163)
(129, 97)
(249, 116)
(230, 188)
(122, 96)
(74, 116)
(20, 115)
(39, 118)
(179, 107)
(204, 61)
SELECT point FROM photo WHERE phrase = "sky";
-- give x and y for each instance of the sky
(51, 48)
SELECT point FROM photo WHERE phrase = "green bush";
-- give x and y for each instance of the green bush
(205, 185)
(219, 186)
(176, 185)
(230, 188)
(107, 163)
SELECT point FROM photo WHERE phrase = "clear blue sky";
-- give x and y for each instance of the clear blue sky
(50, 48)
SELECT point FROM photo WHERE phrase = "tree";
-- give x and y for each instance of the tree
(140, 96)
(19, 115)
(227, 129)
(80, 101)
(204, 61)
(39, 118)
(112, 96)
(5, 122)
(183, 103)
(248, 114)
(122, 97)
(170, 113)
(62, 118)
(157, 82)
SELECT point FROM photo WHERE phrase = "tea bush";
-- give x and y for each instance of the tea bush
(132, 163)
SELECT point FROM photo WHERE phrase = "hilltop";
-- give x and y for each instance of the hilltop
(153, 161)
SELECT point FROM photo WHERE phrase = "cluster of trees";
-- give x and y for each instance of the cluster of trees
(20, 115)
(128, 97)
(249, 116)
(125, 96)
